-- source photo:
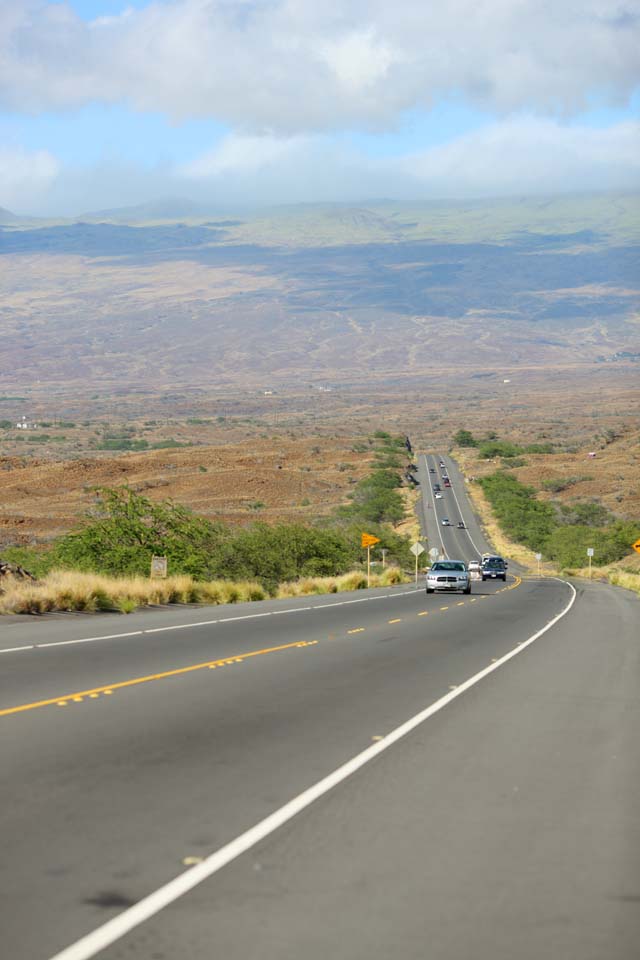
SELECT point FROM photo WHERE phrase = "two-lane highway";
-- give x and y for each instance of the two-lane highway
(381, 774)
(453, 504)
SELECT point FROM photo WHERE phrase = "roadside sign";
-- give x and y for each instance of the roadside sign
(368, 540)
(589, 551)
(434, 553)
(538, 556)
(416, 549)
(636, 546)
(158, 566)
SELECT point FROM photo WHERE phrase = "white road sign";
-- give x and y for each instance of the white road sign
(589, 551)
(416, 549)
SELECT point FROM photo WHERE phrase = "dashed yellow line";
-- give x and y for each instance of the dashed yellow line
(108, 689)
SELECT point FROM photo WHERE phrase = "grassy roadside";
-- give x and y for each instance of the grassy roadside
(73, 591)
(624, 573)
(494, 534)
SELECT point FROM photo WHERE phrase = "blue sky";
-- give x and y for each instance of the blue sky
(105, 103)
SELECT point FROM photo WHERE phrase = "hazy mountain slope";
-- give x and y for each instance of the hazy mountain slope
(183, 304)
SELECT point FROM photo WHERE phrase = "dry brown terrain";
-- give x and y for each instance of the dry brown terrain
(611, 478)
(297, 479)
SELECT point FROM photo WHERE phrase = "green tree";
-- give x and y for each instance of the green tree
(464, 438)
(125, 530)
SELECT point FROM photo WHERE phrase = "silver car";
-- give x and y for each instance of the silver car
(449, 575)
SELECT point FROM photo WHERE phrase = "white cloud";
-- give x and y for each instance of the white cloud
(531, 155)
(521, 155)
(294, 66)
(25, 176)
(525, 155)
(238, 155)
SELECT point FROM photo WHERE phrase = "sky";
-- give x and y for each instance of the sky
(105, 103)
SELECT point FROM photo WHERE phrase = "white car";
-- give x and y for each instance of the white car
(446, 522)
(438, 496)
(448, 575)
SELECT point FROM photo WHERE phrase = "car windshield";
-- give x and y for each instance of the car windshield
(448, 565)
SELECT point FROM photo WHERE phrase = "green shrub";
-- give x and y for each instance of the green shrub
(568, 545)
(464, 438)
(521, 516)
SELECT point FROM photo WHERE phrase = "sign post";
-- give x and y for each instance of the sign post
(416, 549)
(538, 558)
(368, 540)
(384, 552)
(158, 566)
(589, 554)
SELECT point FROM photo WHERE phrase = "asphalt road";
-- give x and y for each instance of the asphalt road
(504, 824)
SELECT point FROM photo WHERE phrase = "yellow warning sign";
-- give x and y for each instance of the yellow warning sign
(636, 546)
(368, 540)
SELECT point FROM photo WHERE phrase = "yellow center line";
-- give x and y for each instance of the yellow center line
(110, 687)
(107, 689)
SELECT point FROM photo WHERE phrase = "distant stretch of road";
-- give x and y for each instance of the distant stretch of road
(381, 774)
(467, 544)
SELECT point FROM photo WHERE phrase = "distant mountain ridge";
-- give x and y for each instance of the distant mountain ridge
(167, 208)
(7, 217)
(323, 290)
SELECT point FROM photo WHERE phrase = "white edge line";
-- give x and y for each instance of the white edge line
(455, 497)
(119, 926)
(207, 623)
(65, 643)
(180, 626)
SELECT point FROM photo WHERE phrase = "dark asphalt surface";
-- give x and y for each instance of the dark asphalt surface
(505, 826)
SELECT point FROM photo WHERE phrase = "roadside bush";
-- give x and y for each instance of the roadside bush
(521, 516)
(568, 545)
(464, 438)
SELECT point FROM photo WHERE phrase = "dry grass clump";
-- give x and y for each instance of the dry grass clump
(621, 578)
(355, 580)
(624, 573)
(70, 590)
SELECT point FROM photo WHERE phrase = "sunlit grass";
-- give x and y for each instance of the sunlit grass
(73, 591)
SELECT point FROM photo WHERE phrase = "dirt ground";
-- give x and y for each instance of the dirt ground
(299, 480)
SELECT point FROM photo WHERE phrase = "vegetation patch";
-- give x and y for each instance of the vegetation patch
(561, 533)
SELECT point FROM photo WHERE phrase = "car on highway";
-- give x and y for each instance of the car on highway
(438, 496)
(446, 522)
(436, 488)
(494, 568)
(474, 566)
(432, 469)
(461, 525)
(450, 575)
(447, 482)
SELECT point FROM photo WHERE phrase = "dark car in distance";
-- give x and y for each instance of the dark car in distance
(494, 568)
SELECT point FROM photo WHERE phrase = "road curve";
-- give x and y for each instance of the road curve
(502, 825)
